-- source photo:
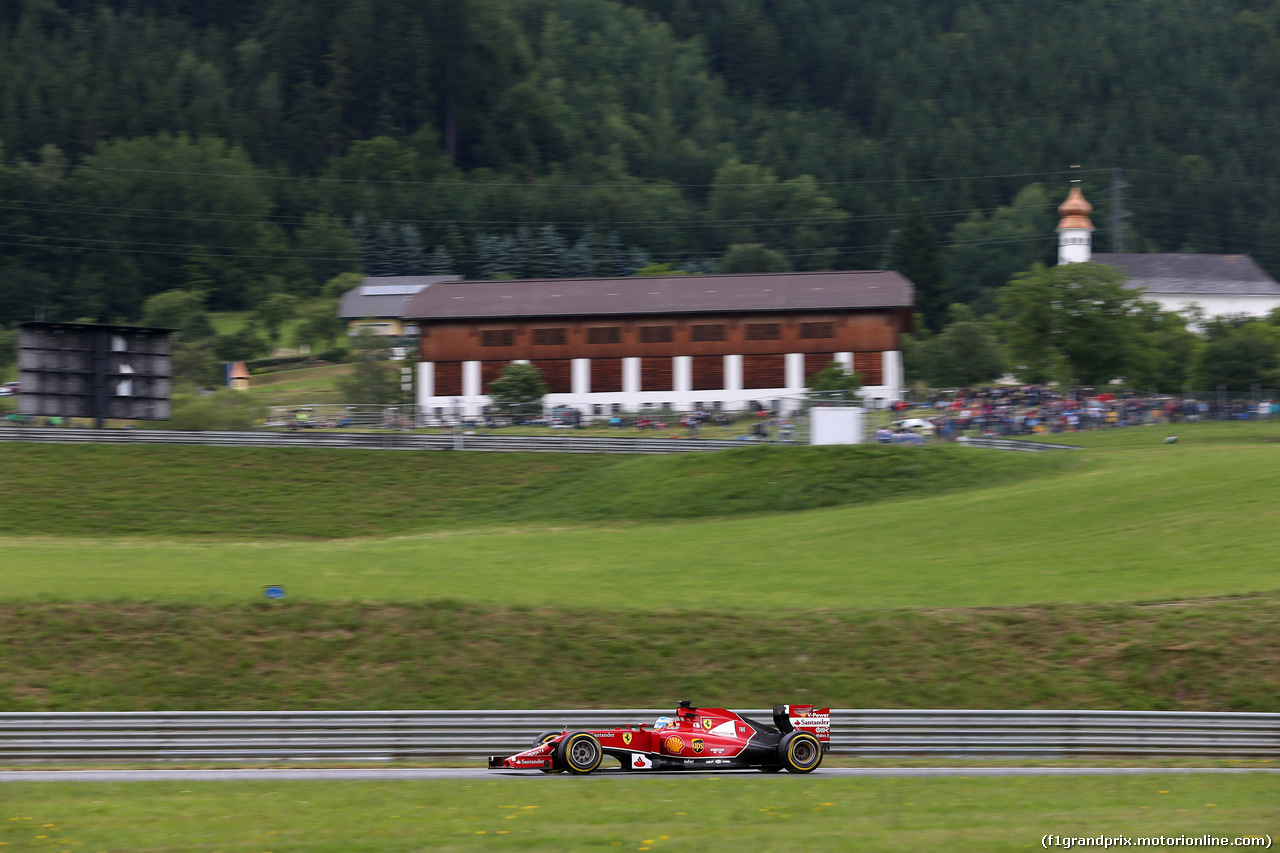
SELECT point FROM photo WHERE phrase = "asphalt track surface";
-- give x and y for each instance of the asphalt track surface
(388, 774)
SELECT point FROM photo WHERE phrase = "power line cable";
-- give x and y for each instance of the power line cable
(550, 184)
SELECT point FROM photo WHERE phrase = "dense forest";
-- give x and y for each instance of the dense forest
(245, 149)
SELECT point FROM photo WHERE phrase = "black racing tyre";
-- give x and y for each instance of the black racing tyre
(542, 738)
(800, 752)
(579, 753)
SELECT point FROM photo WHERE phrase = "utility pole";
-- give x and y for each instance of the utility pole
(1117, 214)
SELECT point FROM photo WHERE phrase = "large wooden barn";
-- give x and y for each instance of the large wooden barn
(615, 345)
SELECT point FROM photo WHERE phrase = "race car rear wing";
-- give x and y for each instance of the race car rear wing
(790, 718)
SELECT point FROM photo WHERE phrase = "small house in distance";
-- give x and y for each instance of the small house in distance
(378, 303)
(612, 345)
(1217, 284)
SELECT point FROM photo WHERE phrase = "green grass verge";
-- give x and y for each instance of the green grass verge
(578, 579)
(1133, 525)
(746, 813)
(1205, 656)
(257, 493)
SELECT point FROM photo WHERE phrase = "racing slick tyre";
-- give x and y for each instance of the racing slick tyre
(800, 752)
(542, 738)
(579, 753)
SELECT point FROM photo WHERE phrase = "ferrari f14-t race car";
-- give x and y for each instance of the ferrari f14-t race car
(695, 739)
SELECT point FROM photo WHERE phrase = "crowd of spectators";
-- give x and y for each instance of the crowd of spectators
(1034, 409)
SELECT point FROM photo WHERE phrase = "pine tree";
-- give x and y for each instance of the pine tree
(553, 251)
(914, 253)
(637, 258)
(581, 261)
(382, 259)
(489, 257)
(413, 255)
(440, 262)
(363, 236)
(615, 257)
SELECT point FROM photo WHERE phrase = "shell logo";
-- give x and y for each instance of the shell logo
(673, 744)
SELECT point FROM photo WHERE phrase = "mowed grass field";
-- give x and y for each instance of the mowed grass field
(864, 577)
(894, 527)
(743, 812)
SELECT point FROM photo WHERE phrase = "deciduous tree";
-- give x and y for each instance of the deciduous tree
(519, 390)
(1074, 323)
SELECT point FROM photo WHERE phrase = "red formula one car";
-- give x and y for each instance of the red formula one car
(695, 739)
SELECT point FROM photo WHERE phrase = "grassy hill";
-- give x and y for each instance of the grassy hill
(1216, 655)
(235, 494)
(875, 577)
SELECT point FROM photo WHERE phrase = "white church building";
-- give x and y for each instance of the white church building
(1217, 285)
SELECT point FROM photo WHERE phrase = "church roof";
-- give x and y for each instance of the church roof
(1193, 274)
(692, 294)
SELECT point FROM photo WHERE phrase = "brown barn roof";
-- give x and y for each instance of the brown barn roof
(807, 291)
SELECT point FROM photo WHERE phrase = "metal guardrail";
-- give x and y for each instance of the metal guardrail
(1014, 444)
(418, 735)
(388, 440)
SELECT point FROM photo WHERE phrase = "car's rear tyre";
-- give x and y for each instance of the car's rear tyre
(800, 752)
(542, 738)
(579, 753)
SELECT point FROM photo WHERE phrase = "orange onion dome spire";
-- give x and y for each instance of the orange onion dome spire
(1075, 211)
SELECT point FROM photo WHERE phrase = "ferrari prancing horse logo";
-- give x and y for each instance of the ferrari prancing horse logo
(707, 723)
(626, 738)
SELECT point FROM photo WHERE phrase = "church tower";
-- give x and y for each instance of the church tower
(1075, 238)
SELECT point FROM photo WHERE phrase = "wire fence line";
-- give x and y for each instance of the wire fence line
(471, 734)
(367, 441)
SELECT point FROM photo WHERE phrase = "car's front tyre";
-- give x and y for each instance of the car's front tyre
(579, 753)
(543, 738)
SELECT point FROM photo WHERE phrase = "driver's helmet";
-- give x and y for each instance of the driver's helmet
(661, 723)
